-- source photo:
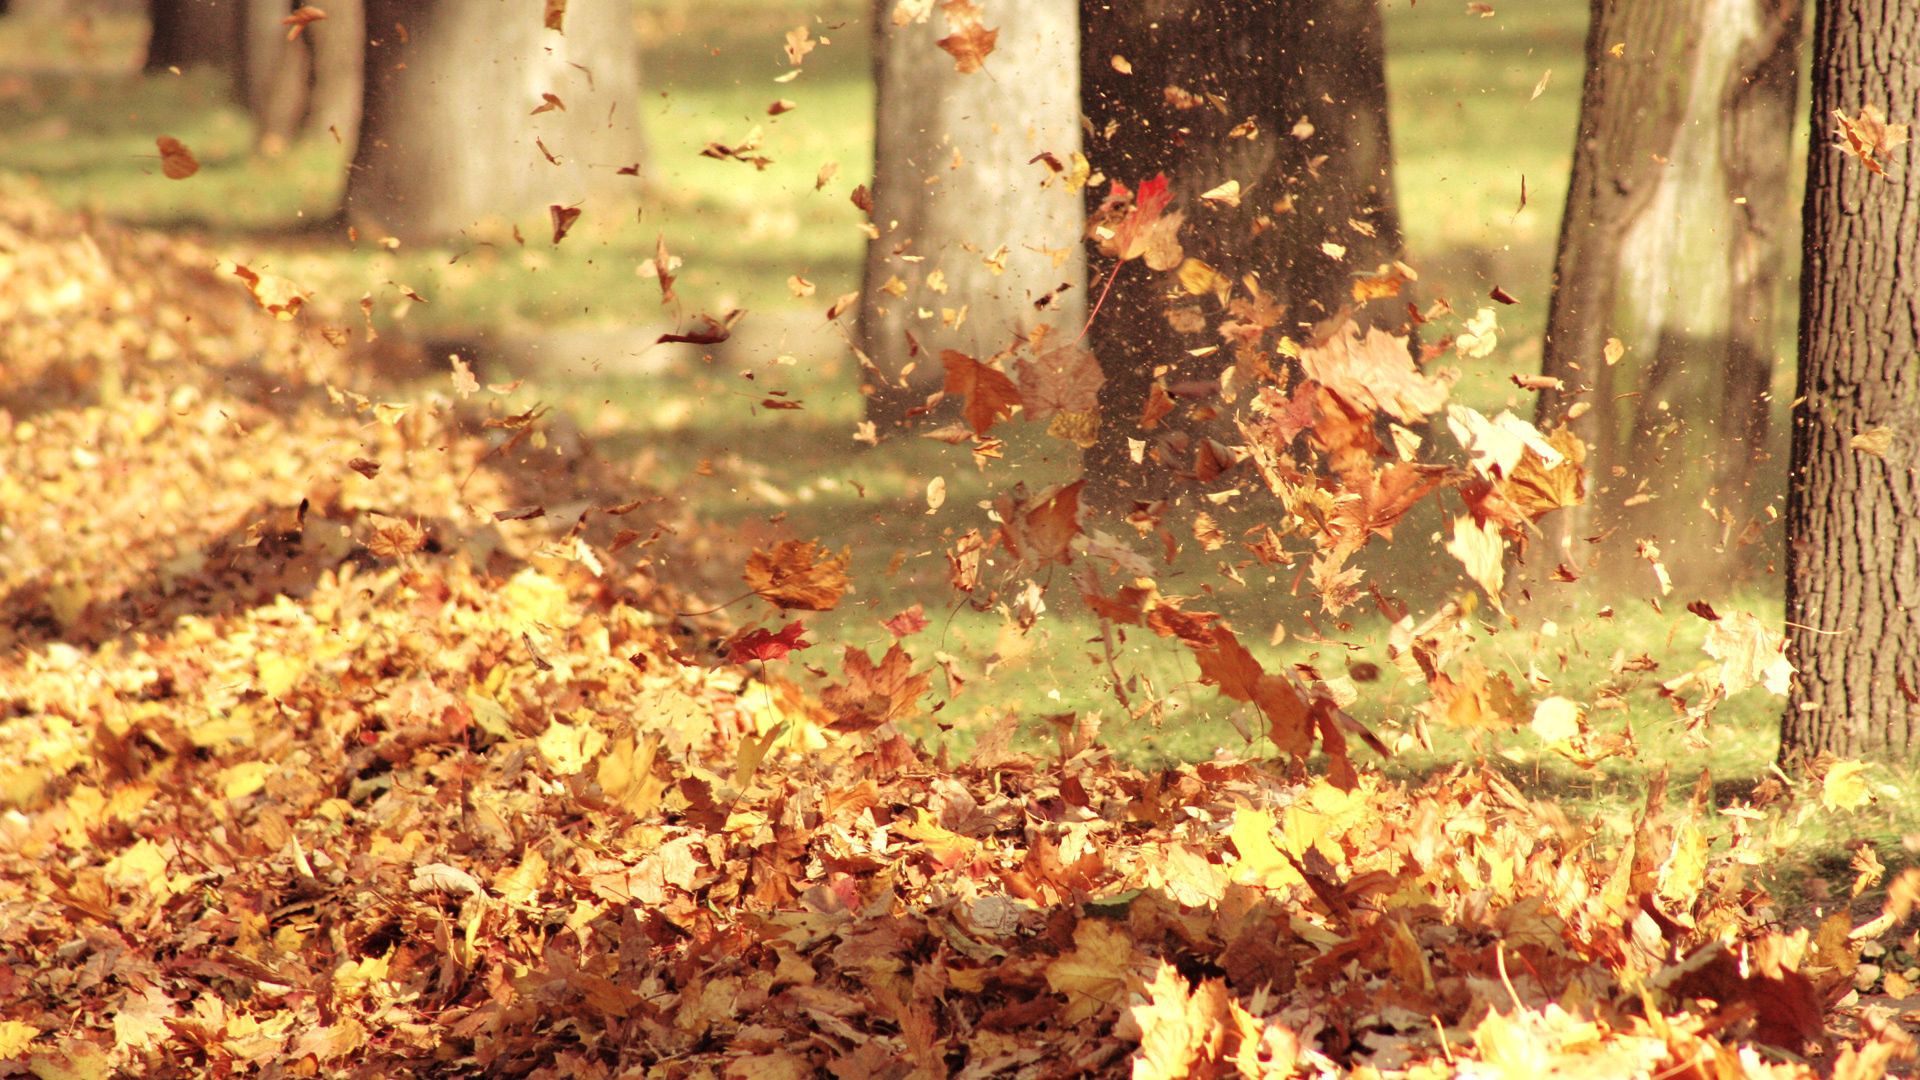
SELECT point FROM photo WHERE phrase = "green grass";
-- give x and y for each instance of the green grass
(1466, 129)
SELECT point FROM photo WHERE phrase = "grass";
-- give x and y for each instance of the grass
(1467, 127)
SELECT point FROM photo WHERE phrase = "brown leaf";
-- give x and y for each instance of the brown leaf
(875, 694)
(1869, 137)
(563, 219)
(1040, 531)
(548, 103)
(1374, 372)
(555, 17)
(988, 393)
(799, 575)
(1066, 379)
(176, 161)
(969, 46)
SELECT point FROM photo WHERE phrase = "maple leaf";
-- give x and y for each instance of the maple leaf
(1146, 230)
(1480, 549)
(1374, 372)
(799, 575)
(1869, 137)
(1062, 380)
(299, 20)
(968, 40)
(911, 621)
(988, 394)
(875, 694)
(1039, 531)
(1749, 653)
(176, 161)
(763, 645)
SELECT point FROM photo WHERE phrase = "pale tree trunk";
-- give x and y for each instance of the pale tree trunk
(191, 34)
(1853, 517)
(1177, 87)
(448, 136)
(1672, 236)
(309, 85)
(973, 232)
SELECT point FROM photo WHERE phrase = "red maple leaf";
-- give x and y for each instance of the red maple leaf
(761, 644)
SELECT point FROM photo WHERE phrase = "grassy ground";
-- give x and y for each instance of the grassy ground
(75, 114)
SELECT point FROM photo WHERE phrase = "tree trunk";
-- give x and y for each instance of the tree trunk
(1288, 99)
(195, 33)
(1853, 534)
(308, 85)
(1670, 243)
(449, 139)
(974, 234)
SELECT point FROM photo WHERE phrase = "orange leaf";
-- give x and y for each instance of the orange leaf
(798, 574)
(1040, 531)
(989, 394)
(300, 18)
(176, 161)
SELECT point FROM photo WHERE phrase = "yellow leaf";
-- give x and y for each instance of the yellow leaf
(278, 673)
(14, 1037)
(568, 747)
(1480, 549)
(354, 977)
(242, 780)
(1845, 787)
(626, 775)
(1094, 975)
(1261, 861)
(522, 884)
(1685, 873)
(1199, 279)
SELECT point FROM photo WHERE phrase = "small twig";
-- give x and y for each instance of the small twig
(722, 607)
(1097, 304)
(1113, 668)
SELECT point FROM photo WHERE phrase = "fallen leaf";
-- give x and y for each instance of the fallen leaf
(176, 161)
(987, 392)
(563, 219)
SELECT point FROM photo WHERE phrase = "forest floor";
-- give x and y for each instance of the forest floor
(441, 768)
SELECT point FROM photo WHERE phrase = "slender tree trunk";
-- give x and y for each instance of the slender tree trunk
(1758, 116)
(195, 33)
(1853, 517)
(449, 136)
(1670, 244)
(1288, 99)
(1640, 59)
(978, 242)
(338, 45)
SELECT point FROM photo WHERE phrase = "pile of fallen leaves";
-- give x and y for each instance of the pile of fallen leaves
(350, 732)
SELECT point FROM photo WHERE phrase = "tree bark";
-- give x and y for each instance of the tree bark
(1632, 108)
(975, 234)
(1853, 539)
(449, 139)
(195, 33)
(1289, 100)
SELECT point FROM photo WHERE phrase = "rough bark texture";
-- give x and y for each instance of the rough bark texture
(195, 33)
(1853, 541)
(1693, 113)
(957, 192)
(448, 140)
(1309, 77)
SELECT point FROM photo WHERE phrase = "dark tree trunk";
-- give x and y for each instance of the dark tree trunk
(1853, 517)
(957, 193)
(448, 139)
(1672, 237)
(1288, 99)
(195, 33)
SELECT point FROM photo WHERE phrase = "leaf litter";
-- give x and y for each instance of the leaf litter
(323, 756)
